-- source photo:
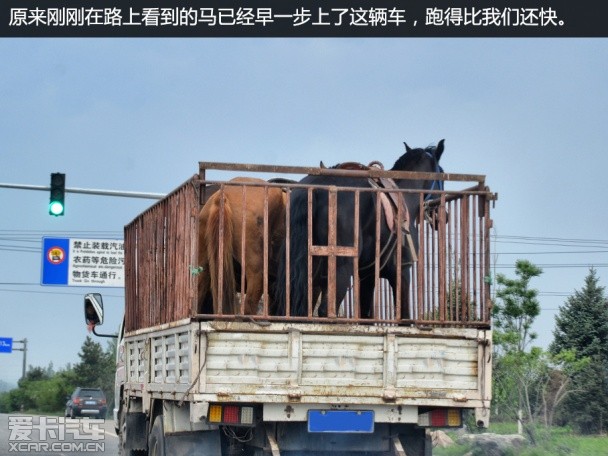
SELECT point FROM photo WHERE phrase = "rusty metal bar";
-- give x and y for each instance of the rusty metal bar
(356, 295)
(457, 262)
(421, 262)
(451, 279)
(377, 256)
(315, 171)
(487, 266)
(434, 311)
(472, 313)
(287, 253)
(464, 242)
(429, 264)
(442, 259)
(265, 254)
(243, 247)
(310, 304)
(220, 254)
(332, 243)
(399, 259)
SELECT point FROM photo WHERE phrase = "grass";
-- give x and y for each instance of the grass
(554, 442)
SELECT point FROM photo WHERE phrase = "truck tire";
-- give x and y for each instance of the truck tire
(156, 440)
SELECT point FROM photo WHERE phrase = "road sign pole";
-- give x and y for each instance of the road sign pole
(24, 350)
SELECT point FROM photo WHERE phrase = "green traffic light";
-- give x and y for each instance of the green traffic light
(56, 208)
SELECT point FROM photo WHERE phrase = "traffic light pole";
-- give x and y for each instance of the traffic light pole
(88, 191)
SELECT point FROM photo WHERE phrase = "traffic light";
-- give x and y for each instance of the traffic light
(56, 205)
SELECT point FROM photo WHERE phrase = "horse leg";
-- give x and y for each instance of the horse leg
(254, 292)
(254, 268)
(366, 296)
(344, 272)
(405, 292)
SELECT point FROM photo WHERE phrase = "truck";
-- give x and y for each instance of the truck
(194, 380)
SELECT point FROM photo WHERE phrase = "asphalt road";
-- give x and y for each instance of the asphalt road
(53, 436)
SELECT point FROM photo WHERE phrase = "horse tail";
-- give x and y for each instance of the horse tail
(298, 253)
(227, 262)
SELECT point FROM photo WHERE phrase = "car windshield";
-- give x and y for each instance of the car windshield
(91, 393)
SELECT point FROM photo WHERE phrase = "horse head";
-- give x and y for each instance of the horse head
(421, 160)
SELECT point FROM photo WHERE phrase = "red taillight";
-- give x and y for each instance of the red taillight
(447, 417)
(439, 418)
(231, 414)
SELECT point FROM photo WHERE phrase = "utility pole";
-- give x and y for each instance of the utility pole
(24, 350)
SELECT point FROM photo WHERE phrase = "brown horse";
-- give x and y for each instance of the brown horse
(238, 202)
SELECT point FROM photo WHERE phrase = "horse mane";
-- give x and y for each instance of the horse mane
(405, 161)
(415, 155)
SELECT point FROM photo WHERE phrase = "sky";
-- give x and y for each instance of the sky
(139, 114)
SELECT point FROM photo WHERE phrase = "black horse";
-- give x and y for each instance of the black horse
(422, 160)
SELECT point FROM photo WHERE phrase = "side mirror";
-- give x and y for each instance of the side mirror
(93, 313)
(93, 309)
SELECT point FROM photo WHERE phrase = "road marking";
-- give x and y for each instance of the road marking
(110, 433)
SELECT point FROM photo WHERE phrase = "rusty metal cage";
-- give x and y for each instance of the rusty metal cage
(449, 278)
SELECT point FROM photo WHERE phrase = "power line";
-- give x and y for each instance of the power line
(54, 292)
(552, 253)
(546, 238)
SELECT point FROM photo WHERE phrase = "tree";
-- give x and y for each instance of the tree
(513, 317)
(519, 368)
(558, 383)
(582, 325)
(94, 364)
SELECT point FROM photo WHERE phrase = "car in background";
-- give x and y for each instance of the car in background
(86, 402)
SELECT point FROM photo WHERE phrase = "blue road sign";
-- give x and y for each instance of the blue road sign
(82, 262)
(55, 261)
(6, 344)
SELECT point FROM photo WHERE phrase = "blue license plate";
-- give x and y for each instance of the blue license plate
(348, 421)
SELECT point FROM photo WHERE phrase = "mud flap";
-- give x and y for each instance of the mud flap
(397, 447)
(136, 435)
(272, 441)
(414, 441)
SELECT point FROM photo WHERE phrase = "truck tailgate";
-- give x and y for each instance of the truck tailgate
(363, 364)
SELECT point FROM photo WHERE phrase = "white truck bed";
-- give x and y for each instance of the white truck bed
(296, 364)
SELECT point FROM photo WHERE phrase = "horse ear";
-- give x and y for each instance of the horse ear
(407, 148)
(439, 149)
